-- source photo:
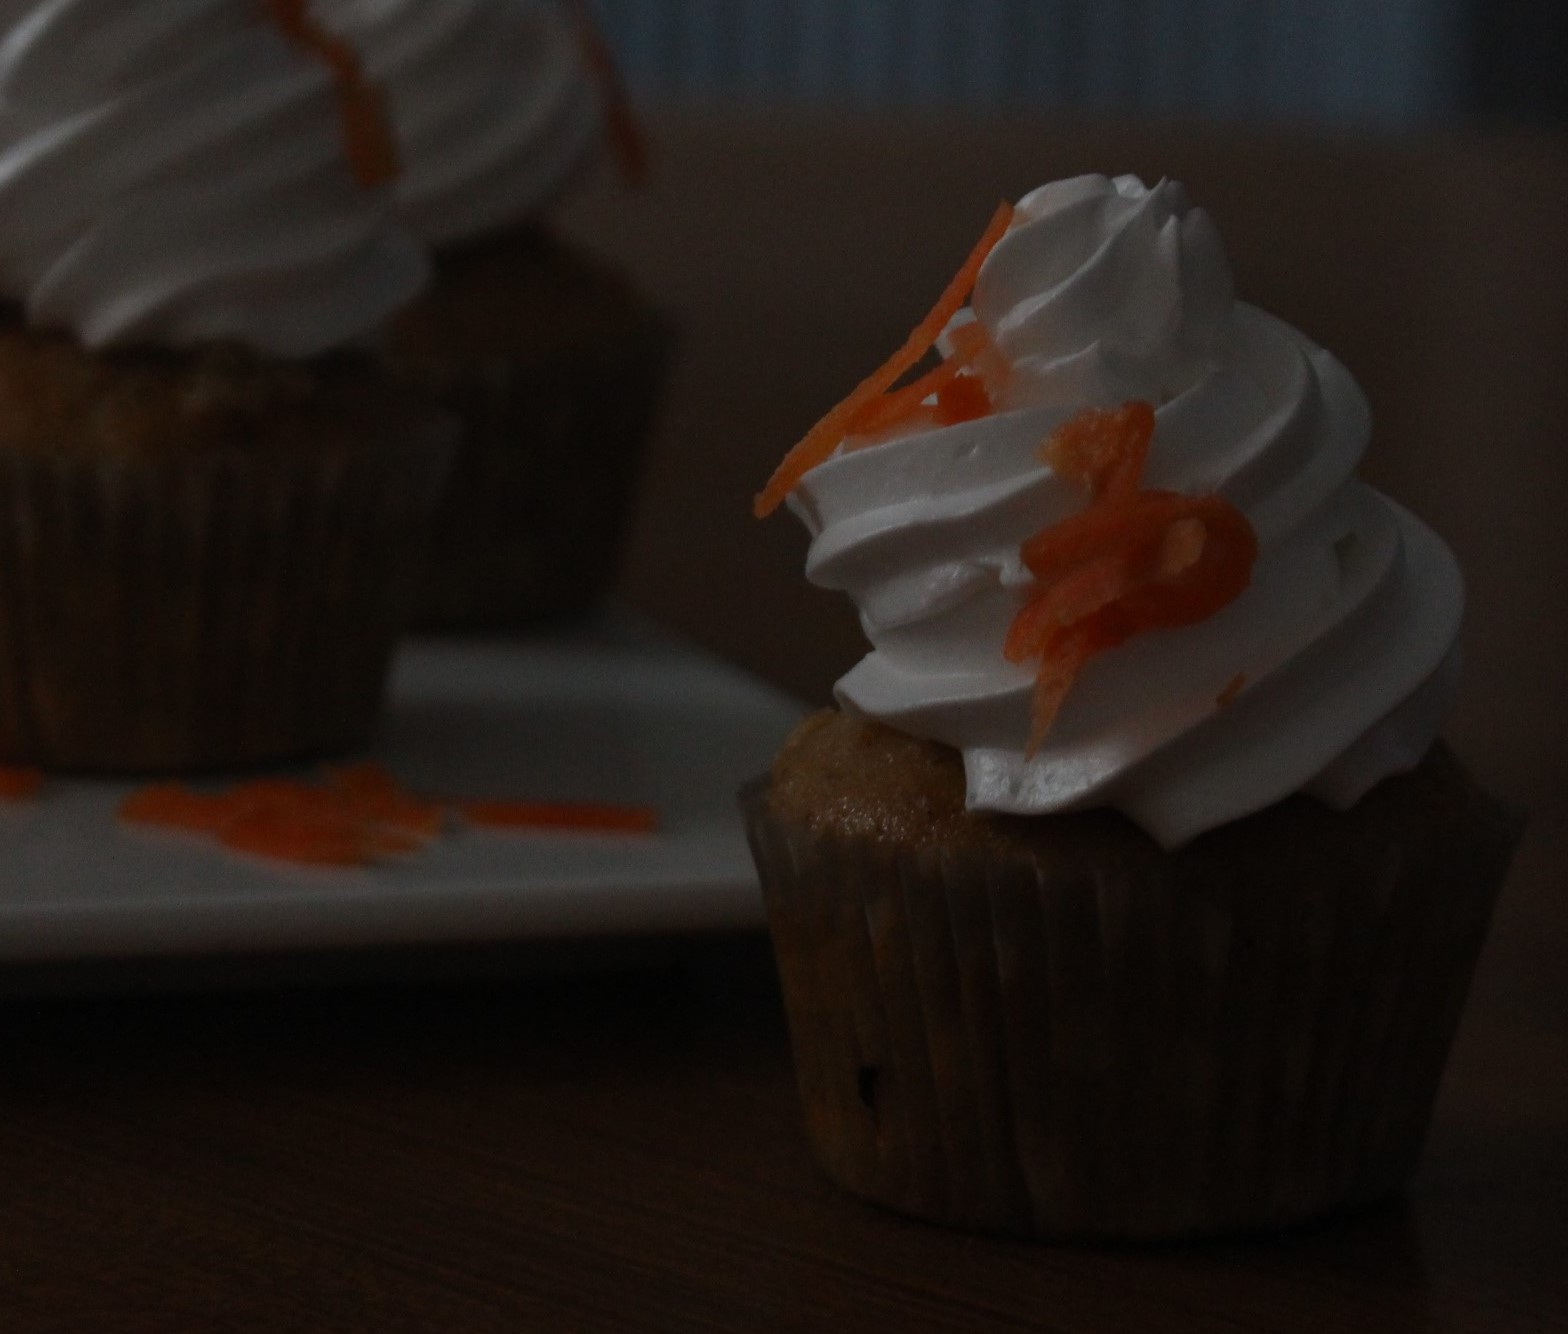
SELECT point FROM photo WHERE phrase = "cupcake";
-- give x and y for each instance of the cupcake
(1129, 892)
(214, 505)
(550, 358)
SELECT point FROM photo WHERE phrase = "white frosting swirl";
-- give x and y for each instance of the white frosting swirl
(176, 172)
(1104, 291)
(492, 103)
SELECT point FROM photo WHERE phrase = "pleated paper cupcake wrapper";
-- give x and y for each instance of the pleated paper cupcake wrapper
(533, 521)
(210, 611)
(1088, 1049)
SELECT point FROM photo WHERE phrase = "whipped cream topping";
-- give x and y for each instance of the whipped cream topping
(176, 173)
(1345, 641)
(492, 102)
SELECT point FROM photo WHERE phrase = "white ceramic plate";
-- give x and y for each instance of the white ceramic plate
(618, 712)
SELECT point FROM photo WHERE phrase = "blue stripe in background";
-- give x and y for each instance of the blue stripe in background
(1384, 63)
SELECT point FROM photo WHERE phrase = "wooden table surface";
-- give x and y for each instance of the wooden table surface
(621, 1149)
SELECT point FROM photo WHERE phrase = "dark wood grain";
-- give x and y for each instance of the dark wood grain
(622, 1150)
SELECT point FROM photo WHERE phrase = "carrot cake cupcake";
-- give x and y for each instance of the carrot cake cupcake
(1129, 893)
(213, 505)
(550, 357)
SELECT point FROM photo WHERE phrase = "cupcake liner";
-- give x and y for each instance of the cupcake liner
(1103, 1040)
(208, 610)
(531, 525)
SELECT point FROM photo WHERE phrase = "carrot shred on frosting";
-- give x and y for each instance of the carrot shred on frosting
(963, 399)
(18, 782)
(823, 438)
(367, 128)
(353, 816)
(1134, 560)
(898, 406)
(628, 143)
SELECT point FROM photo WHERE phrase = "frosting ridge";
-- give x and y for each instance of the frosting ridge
(177, 173)
(492, 102)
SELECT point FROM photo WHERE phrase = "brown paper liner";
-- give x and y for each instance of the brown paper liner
(532, 523)
(553, 361)
(1100, 1039)
(209, 610)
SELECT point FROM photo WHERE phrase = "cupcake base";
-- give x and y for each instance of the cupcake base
(1052, 1028)
(205, 558)
(205, 613)
(553, 365)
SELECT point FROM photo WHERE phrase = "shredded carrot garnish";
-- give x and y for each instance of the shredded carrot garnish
(902, 405)
(175, 806)
(354, 816)
(963, 399)
(819, 443)
(367, 128)
(628, 143)
(593, 817)
(18, 783)
(1104, 451)
(1227, 696)
(1134, 560)
(371, 792)
(319, 836)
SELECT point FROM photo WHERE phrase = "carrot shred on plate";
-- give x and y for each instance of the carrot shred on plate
(1134, 560)
(371, 792)
(176, 806)
(584, 816)
(319, 837)
(354, 815)
(822, 439)
(19, 782)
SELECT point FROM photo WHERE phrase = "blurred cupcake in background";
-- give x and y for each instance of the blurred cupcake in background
(550, 358)
(213, 507)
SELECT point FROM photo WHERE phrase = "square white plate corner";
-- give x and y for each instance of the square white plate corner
(617, 711)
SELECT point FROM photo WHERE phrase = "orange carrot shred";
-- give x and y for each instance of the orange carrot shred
(175, 806)
(1103, 450)
(321, 838)
(1055, 679)
(1135, 560)
(594, 817)
(627, 141)
(357, 815)
(963, 399)
(1227, 696)
(19, 782)
(899, 406)
(367, 128)
(819, 443)
(371, 792)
